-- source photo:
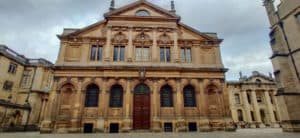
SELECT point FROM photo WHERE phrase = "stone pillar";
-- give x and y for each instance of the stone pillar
(127, 119)
(156, 122)
(256, 109)
(75, 122)
(179, 108)
(47, 125)
(108, 46)
(103, 107)
(176, 49)
(130, 46)
(44, 101)
(155, 56)
(246, 107)
(204, 121)
(270, 109)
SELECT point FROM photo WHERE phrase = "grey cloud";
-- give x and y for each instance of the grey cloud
(30, 26)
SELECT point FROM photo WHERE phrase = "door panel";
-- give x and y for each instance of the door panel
(141, 115)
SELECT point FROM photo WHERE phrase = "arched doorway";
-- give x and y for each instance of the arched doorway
(141, 107)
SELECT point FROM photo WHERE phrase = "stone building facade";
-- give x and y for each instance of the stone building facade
(253, 101)
(24, 87)
(285, 43)
(138, 69)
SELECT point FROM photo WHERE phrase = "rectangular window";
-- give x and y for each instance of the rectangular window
(8, 85)
(237, 99)
(12, 68)
(249, 98)
(119, 53)
(168, 127)
(298, 17)
(186, 55)
(26, 78)
(259, 99)
(165, 54)
(142, 54)
(96, 53)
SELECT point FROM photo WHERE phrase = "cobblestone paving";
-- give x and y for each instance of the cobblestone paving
(245, 133)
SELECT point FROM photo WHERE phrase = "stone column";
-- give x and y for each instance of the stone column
(75, 123)
(44, 101)
(270, 109)
(204, 121)
(155, 56)
(108, 46)
(103, 106)
(179, 108)
(176, 49)
(156, 122)
(46, 125)
(247, 107)
(130, 46)
(256, 108)
(127, 119)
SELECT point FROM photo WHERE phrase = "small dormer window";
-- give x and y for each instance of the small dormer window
(142, 13)
(258, 81)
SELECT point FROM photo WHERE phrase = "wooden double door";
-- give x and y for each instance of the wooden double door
(141, 109)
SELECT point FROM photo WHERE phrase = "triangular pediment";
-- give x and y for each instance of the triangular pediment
(133, 8)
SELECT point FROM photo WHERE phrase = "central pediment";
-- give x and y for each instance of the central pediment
(142, 9)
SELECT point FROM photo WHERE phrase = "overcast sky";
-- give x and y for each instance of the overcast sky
(30, 27)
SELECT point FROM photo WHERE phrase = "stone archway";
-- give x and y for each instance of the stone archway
(141, 107)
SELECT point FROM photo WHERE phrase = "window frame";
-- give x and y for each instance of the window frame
(8, 85)
(143, 49)
(26, 78)
(91, 95)
(187, 98)
(98, 55)
(298, 17)
(184, 56)
(112, 102)
(167, 58)
(12, 68)
(119, 55)
(169, 95)
(240, 115)
(237, 98)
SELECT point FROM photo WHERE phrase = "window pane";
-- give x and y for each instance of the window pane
(116, 49)
(182, 55)
(188, 55)
(138, 54)
(189, 97)
(93, 53)
(116, 97)
(168, 54)
(92, 95)
(122, 53)
(146, 54)
(99, 57)
(298, 16)
(166, 97)
(162, 55)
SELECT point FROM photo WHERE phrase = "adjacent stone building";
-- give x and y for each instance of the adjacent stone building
(138, 69)
(253, 102)
(24, 87)
(285, 43)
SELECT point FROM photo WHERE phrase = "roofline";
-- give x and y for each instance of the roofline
(11, 54)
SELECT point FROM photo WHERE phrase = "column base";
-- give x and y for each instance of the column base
(126, 126)
(275, 125)
(229, 125)
(99, 126)
(46, 127)
(181, 126)
(156, 126)
(291, 126)
(204, 126)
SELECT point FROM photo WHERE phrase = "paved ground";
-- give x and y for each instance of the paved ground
(245, 133)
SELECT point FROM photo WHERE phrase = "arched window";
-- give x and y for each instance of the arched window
(92, 96)
(166, 96)
(240, 115)
(142, 13)
(189, 96)
(116, 96)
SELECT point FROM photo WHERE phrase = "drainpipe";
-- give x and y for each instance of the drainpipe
(27, 99)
